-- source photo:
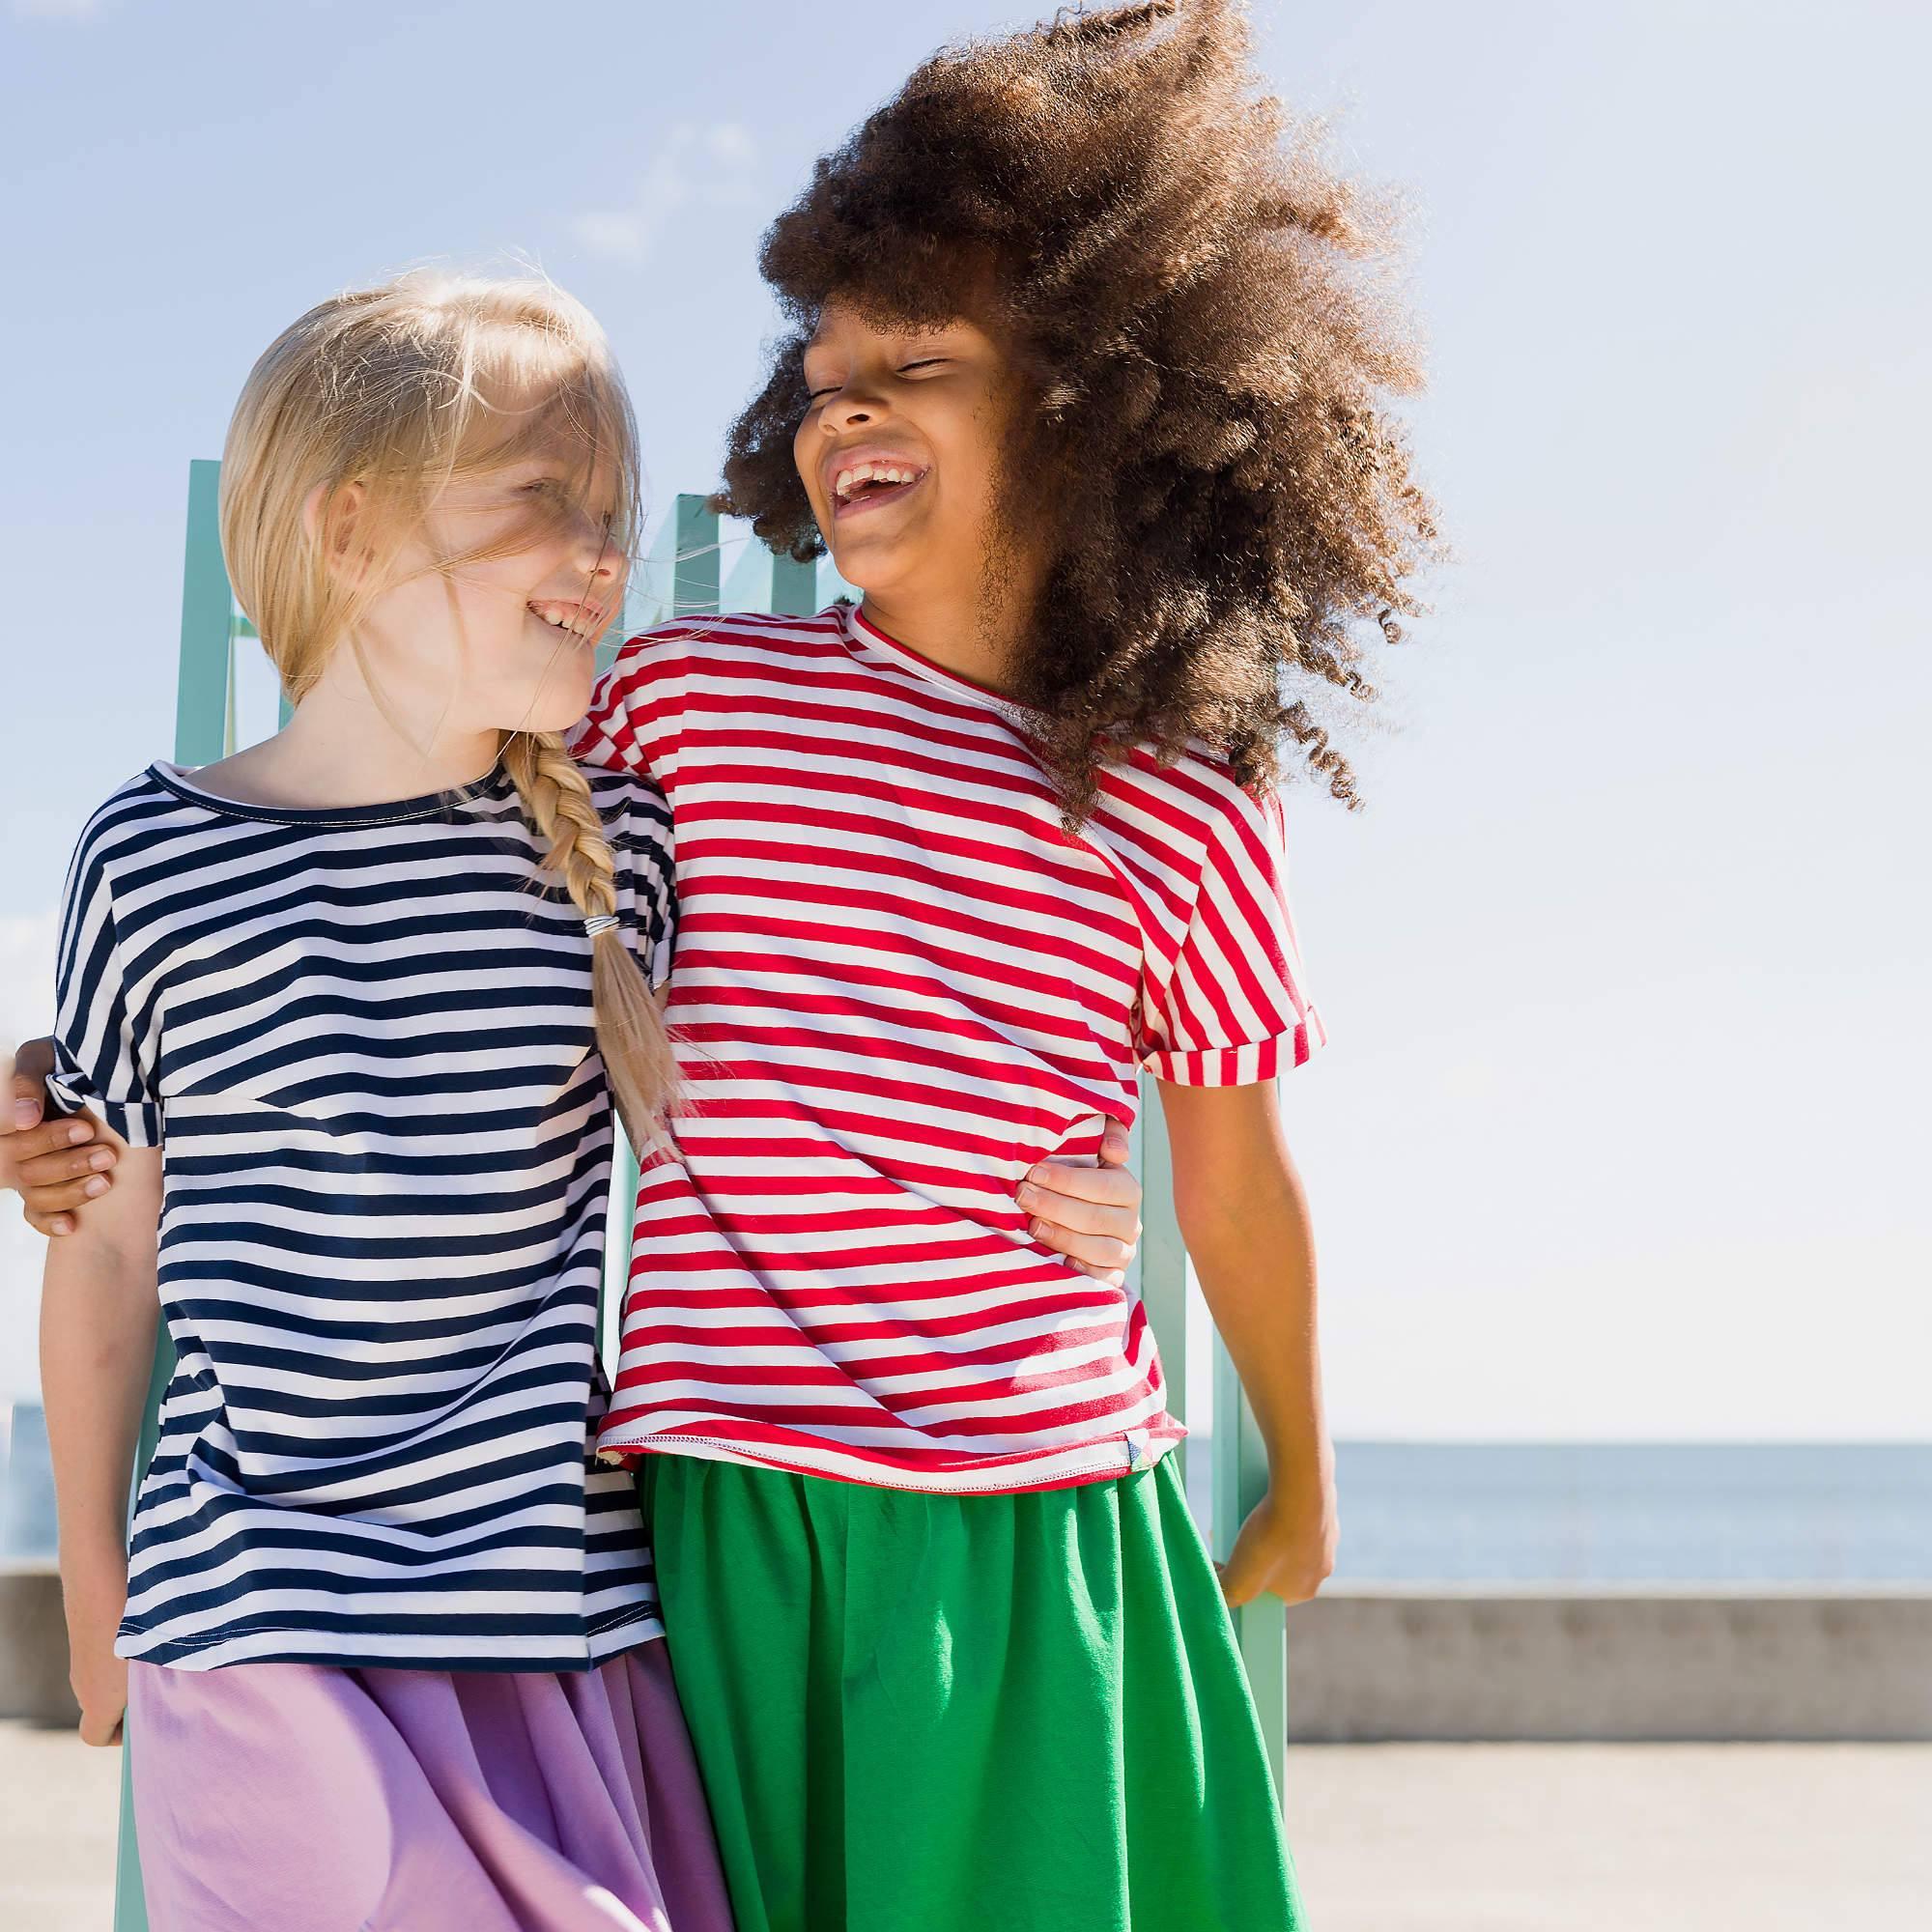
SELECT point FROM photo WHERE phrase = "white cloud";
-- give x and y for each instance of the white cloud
(697, 166)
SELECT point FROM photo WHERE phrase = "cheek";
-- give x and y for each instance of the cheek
(804, 445)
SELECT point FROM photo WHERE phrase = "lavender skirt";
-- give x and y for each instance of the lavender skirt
(298, 1798)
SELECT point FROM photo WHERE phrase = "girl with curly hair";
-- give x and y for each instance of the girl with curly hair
(1087, 390)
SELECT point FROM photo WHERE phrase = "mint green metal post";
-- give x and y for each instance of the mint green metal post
(1160, 1268)
(204, 731)
(795, 587)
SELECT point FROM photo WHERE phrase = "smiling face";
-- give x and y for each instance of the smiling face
(493, 616)
(900, 450)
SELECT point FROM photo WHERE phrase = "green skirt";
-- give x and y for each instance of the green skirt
(919, 1713)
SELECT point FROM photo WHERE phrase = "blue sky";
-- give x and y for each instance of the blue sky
(1620, 1134)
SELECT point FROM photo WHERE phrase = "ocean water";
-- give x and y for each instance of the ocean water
(1571, 1513)
(1521, 1512)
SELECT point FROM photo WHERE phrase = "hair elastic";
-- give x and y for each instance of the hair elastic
(600, 923)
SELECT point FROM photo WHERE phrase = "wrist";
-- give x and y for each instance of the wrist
(91, 1571)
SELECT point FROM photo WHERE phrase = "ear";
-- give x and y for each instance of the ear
(330, 516)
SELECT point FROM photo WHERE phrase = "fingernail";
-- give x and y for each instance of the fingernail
(78, 1133)
(1027, 1195)
(95, 1186)
(25, 1114)
(100, 1158)
(1038, 1230)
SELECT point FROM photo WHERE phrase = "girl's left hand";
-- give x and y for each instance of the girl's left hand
(1090, 1214)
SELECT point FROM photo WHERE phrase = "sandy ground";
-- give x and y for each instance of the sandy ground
(1390, 1837)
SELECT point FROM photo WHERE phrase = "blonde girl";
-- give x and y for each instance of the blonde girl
(353, 1004)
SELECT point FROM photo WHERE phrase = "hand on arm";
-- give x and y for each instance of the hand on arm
(98, 1312)
(57, 1165)
(1090, 1214)
(1244, 1218)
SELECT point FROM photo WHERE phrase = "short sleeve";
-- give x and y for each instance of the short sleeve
(1231, 1007)
(100, 1059)
(644, 853)
(638, 706)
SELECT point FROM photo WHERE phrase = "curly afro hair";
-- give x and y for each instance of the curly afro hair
(1206, 356)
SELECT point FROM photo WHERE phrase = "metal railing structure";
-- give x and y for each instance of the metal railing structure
(680, 577)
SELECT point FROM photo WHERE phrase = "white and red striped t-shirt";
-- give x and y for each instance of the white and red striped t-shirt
(899, 985)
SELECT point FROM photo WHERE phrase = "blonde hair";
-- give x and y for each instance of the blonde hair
(395, 392)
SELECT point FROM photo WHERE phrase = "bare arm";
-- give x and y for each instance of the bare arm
(98, 1311)
(1243, 1216)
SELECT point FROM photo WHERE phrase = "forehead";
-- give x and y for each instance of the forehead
(841, 325)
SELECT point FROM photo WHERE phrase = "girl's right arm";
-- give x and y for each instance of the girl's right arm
(98, 1312)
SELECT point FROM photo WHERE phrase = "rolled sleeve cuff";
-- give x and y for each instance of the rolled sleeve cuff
(1244, 1065)
(138, 1123)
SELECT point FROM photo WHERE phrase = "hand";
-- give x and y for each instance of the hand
(100, 1678)
(53, 1165)
(1090, 1214)
(1287, 1546)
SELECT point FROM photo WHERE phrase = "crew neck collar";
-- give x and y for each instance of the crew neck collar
(431, 804)
(860, 629)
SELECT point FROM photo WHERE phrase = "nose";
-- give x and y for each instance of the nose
(597, 554)
(854, 406)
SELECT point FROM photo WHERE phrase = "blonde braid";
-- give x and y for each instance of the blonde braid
(631, 1033)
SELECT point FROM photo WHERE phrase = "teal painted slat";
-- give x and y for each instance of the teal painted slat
(207, 658)
(681, 575)
(204, 731)
(795, 591)
(747, 586)
(1161, 1265)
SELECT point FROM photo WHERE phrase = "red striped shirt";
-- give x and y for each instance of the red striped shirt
(898, 984)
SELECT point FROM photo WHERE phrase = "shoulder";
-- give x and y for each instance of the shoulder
(701, 641)
(1194, 797)
(136, 812)
(626, 797)
(636, 816)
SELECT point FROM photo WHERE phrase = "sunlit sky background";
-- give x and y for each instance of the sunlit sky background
(1621, 1132)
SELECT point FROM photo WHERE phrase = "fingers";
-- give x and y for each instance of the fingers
(52, 1137)
(1113, 1277)
(65, 1197)
(1115, 1145)
(27, 1101)
(100, 1728)
(1101, 1251)
(1246, 1573)
(67, 1164)
(1081, 1216)
(1108, 1186)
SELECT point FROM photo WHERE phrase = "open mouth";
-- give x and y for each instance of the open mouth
(873, 485)
(582, 621)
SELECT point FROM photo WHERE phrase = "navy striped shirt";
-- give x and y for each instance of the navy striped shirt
(363, 1039)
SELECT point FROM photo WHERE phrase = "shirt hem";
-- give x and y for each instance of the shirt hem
(199, 1653)
(1106, 1460)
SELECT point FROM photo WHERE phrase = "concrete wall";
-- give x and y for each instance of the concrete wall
(33, 1646)
(1756, 1663)
(1382, 1664)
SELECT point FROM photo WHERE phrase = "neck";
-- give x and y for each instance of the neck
(964, 630)
(340, 748)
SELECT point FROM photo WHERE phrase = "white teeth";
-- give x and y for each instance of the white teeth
(848, 480)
